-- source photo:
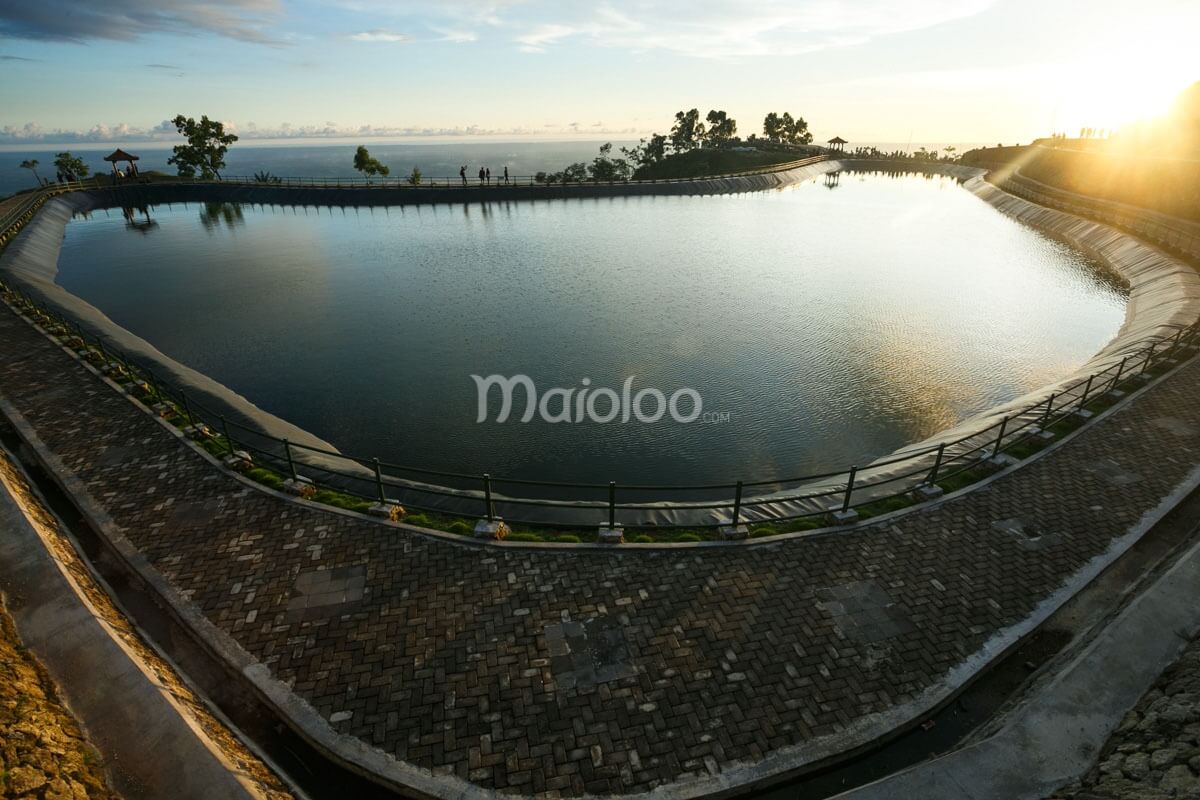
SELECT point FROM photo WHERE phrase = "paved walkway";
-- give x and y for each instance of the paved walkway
(572, 672)
(1155, 754)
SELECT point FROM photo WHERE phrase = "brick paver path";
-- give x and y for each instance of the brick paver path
(576, 672)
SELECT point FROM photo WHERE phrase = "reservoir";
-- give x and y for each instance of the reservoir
(822, 324)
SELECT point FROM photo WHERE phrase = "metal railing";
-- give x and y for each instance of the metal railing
(548, 502)
(401, 182)
(868, 488)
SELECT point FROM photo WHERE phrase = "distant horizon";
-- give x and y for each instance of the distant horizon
(417, 141)
(940, 70)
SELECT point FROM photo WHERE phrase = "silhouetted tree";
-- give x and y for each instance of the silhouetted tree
(721, 127)
(71, 165)
(773, 127)
(32, 165)
(206, 148)
(607, 168)
(687, 132)
(648, 151)
(364, 163)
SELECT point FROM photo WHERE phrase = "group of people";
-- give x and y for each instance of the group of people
(67, 177)
(485, 176)
(120, 174)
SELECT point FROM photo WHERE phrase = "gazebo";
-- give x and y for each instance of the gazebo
(837, 143)
(120, 155)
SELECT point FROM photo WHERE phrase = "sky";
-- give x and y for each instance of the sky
(984, 71)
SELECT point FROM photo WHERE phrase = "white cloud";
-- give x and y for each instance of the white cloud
(537, 40)
(457, 36)
(379, 35)
(725, 29)
(164, 132)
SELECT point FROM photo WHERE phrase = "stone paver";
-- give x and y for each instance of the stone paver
(588, 671)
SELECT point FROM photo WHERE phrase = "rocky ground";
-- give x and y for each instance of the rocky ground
(43, 752)
(1155, 753)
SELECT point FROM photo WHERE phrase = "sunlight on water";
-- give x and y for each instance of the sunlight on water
(830, 325)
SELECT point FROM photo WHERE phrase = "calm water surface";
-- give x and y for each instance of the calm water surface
(822, 326)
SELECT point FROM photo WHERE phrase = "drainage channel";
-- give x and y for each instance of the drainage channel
(320, 777)
(310, 770)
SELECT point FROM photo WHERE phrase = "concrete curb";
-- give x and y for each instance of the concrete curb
(1054, 736)
(154, 746)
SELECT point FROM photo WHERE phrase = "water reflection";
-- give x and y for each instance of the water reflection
(132, 222)
(213, 215)
(831, 326)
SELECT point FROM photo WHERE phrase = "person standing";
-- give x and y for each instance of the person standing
(462, 173)
(506, 174)
(481, 176)
(489, 176)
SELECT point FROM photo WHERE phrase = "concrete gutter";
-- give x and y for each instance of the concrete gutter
(151, 740)
(1055, 735)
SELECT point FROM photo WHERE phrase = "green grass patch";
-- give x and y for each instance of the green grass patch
(1069, 423)
(342, 500)
(568, 538)
(643, 538)
(884, 506)
(266, 477)
(1027, 447)
(964, 478)
(688, 536)
(525, 536)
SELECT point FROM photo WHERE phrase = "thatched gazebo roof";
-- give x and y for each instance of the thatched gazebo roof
(837, 140)
(120, 155)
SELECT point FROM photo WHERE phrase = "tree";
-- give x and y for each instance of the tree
(687, 131)
(576, 173)
(206, 148)
(783, 128)
(70, 165)
(648, 151)
(721, 128)
(364, 163)
(773, 127)
(607, 168)
(414, 177)
(798, 133)
(32, 165)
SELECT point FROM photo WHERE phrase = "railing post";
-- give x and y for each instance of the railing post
(287, 450)
(1000, 437)
(612, 504)
(849, 489)
(737, 503)
(1175, 343)
(379, 482)
(1087, 388)
(1049, 408)
(487, 497)
(225, 432)
(937, 464)
(154, 382)
(187, 409)
(1120, 369)
(1146, 360)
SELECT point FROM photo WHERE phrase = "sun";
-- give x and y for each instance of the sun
(1111, 93)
